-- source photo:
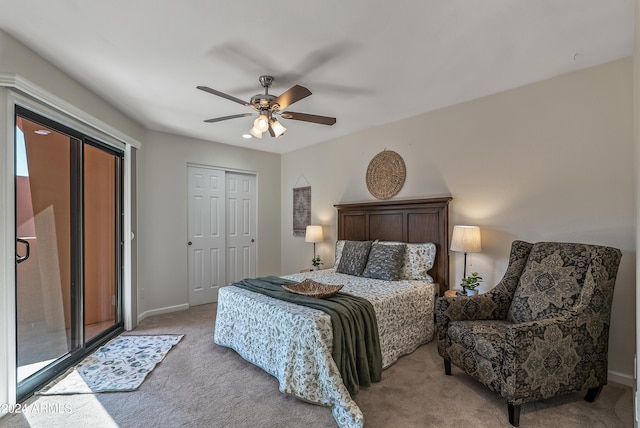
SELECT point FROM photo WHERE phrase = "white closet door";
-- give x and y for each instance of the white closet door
(241, 225)
(206, 230)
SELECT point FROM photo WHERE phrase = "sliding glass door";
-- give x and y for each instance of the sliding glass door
(43, 230)
(68, 247)
(101, 245)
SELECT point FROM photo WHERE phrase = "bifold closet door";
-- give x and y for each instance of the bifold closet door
(221, 242)
(241, 226)
(206, 230)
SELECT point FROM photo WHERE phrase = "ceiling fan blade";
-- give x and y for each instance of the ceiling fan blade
(223, 95)
(233, 116)
(306, 117)
(294, 94)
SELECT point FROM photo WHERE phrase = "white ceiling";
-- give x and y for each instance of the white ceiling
(367, 62)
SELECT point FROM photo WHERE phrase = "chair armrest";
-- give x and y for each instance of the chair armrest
(463, 308)
(496, 302)
(489, 306)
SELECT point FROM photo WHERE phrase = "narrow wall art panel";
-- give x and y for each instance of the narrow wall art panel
(301, 210)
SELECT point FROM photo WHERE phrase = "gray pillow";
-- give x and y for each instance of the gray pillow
(354, 257)
(385, 262)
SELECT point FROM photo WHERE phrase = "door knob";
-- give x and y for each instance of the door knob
(253, 240)
(189, 243)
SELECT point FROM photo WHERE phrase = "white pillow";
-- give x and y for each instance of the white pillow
(339, 248)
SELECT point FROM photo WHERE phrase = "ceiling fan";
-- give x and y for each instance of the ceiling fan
(268, 106)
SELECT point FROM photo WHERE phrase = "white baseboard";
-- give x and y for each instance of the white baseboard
(162, 311)
(621, 378)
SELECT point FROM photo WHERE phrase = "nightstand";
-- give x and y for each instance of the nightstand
(451, 293)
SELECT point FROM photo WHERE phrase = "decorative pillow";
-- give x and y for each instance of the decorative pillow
(418, 259)
(385, 262)
(421, 259)
(354, 257)
(339, 247)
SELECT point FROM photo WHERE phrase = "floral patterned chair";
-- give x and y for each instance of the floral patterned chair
(542, 331)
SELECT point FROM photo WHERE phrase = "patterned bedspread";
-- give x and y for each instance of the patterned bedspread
(293, 343)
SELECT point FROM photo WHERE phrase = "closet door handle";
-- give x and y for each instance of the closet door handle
(20, 259)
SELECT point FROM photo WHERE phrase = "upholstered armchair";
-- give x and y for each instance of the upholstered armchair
(542, 331)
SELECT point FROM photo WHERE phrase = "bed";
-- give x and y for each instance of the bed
(294, 343)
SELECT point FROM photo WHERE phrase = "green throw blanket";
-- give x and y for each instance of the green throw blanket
(356, 345)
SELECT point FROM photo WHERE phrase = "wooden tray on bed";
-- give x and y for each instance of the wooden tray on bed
(311, 288)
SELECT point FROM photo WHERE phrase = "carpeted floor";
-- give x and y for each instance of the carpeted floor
(200, 384)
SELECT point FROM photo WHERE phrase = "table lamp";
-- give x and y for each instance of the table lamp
(466, 239)
(313, 234)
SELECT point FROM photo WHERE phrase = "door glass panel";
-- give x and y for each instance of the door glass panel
(100, 285)
(43, 217)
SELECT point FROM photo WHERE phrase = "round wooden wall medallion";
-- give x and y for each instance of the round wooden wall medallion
(386, 174)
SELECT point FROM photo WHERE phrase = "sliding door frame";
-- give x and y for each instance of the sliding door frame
(79, 346)
(15, 90)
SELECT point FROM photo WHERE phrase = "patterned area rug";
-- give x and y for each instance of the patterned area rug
(120, 365)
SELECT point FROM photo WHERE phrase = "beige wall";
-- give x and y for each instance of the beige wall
(162, 211)
(548, 161)
(16, 58)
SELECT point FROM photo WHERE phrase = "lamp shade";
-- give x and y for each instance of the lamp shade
(277, 128)
(254, 131)
(261, 123)
(313, 234)
(466, 239)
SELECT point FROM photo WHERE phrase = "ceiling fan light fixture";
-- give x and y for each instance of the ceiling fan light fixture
(261, 123)
(277, 128)
(255, 132)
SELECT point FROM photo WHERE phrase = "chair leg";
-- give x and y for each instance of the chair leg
(514, 414)
(593, 394)
(447, 366)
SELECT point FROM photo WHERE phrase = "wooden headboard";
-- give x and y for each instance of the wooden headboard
(413, 220)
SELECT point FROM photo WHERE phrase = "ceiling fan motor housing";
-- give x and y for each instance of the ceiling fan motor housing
(262, 101)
